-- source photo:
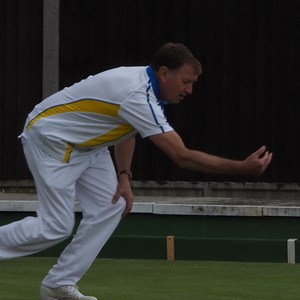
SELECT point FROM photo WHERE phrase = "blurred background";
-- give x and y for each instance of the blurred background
(247, 96)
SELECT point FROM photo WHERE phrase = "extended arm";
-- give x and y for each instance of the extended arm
(173, 146)
(123, 157)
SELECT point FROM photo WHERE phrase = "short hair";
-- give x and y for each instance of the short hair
(173, 56)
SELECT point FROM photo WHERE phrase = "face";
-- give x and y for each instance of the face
(175, 85)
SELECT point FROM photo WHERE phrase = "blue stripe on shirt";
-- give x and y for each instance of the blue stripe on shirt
(151, 108)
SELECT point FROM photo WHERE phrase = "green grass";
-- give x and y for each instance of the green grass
(160, 280)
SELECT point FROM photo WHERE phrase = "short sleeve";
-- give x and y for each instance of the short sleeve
(143, 112)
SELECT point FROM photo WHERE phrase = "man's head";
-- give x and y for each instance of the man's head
(177, 70)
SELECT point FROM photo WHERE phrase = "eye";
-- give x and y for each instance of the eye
(186, 82)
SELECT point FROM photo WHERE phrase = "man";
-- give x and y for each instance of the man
(65, 142)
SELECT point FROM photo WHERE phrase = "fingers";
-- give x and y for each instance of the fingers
(128, 208)
(264, 157)
(267, 160)
(128, 200)
(259, 161)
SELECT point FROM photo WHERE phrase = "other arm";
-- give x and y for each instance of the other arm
(123, 157)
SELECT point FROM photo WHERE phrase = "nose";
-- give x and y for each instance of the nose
(189, 89)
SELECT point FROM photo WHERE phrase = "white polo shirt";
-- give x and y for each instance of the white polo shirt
(99, 111)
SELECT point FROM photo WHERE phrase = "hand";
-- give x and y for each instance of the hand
(257, 162)
(124, 190)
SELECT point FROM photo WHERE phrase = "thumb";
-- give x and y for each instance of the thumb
(116, 197)
(260, 151)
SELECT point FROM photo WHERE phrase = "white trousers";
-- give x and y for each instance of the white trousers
(88, 178)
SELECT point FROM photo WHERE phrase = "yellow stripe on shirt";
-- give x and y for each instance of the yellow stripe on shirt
(84, 105)
(112, 135)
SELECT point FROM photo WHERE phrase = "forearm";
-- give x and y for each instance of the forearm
(124, 154)
(194, 160)
(204, 162)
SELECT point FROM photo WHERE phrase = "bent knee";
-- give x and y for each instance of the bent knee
(59, 230)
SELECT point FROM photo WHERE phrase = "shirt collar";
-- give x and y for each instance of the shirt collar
(155, 86)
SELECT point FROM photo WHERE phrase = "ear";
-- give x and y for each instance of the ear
(162, 73)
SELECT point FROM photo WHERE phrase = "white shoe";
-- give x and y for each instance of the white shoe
(66, 292)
